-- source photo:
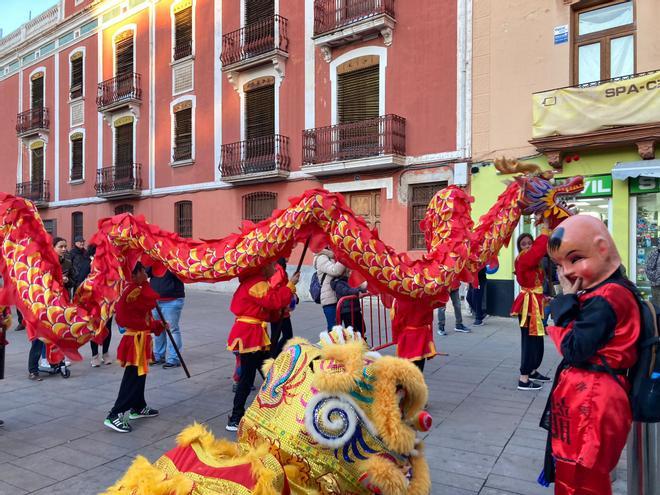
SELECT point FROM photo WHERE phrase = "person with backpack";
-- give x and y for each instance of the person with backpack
(597, 328)
(326, 269)
(652, 270)
(350, 311)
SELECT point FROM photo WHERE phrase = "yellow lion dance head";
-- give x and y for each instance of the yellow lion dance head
(329, 419)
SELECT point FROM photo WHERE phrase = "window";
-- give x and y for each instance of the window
(604, 42)
(124, 54)
(260, 108)
(258, 9)
(125, 208)
(76, 225)
(124, 151)
(357, 90)
(419, 198)
(37, 90)
(182, 131)
(37, 167)
(258, 206)
(51, 227)
(183, 30)
(76, 89)
(76, 156)
(183, 218)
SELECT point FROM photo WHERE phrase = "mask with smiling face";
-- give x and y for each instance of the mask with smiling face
(583, 248)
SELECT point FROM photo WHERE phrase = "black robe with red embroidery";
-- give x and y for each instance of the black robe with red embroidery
(590, 412)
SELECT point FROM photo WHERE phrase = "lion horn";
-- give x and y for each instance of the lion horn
(513, 166)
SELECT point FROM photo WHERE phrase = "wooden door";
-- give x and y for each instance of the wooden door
(367, 205)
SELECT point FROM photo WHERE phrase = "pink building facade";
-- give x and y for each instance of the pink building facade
(199, 114)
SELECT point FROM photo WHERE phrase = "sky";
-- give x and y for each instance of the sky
(16, 12)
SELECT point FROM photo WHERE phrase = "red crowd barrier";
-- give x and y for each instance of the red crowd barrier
(376, 325)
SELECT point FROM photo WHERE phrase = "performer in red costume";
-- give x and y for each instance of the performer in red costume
(133, 313)
(597, 325)
(255, 303)
(528, 306)
(412, 330)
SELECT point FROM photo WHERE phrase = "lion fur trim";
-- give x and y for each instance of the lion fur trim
(142, 478)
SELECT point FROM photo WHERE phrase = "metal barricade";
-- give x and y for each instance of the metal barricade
(371, 318)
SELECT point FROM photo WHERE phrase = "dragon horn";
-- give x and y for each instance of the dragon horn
(512, 166)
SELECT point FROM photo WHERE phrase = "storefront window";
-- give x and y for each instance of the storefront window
(646, 226)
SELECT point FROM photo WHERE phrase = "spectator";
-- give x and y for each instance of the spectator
(96, 361)
(456, 302)
(172, 293)
(280, 329)
(550, 285)
(326, 269)
(80, 260)
(350, 311)
(652, 270)
(475, 298)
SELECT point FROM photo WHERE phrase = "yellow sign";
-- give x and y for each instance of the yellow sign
(571, 111)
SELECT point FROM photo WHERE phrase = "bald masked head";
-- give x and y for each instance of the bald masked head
(583, 248)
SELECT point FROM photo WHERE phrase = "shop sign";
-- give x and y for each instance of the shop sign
(642, 185)
(597, 185)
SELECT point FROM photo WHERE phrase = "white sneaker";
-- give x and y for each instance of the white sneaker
(43, 363)
(96, 361)
(67, 362)
(106, 359)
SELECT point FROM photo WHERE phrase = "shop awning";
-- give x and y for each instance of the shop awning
(643, 168)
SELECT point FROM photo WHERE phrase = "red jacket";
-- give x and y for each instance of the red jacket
(529, 304)
(255, 303)
(591, 414)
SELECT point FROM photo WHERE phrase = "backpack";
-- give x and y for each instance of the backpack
(652, 269)
(315, 287)
(644, 376)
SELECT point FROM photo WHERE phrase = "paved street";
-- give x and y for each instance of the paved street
(485, 438)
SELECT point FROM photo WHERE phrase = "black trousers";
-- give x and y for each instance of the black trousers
(280, 332)
(354, 319)
(420, 364)
(250, 362)
(106, 341)
(131, 392)
(531, 351)
(35, 354)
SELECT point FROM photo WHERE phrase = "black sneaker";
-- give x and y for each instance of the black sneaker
(232, 425)
(441, 332)
(118, 423)
(171, 365)
(145, 412)
(462, 328)
(539, 377)
(2, 423)
(530, 385)
(35, 377)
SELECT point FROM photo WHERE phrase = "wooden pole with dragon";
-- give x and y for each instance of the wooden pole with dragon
(334, 441)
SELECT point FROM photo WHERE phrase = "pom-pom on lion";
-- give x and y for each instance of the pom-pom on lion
(329, 419)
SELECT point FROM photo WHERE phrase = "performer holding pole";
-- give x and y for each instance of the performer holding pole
(254, 303)
(133, 312)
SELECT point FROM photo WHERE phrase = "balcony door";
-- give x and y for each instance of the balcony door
(37, 173)
(123, 170)
(36, 100)
(260, 127)
(259, 26)
(124, 64)
(358, 108)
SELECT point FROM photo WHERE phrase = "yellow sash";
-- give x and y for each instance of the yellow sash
(533, 318)
(256, 321)
(139, 339)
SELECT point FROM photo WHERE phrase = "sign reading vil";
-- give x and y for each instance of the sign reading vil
(576, 110)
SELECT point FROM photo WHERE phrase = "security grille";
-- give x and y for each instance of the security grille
(258, 206)
(76, 225)
(183, 218)
(418, 201)
(77, 157)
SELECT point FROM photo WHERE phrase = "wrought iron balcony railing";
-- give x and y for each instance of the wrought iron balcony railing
(37, 191)
(32, 120)
(261, 155)
(263, 36)
(330, 15)
(182, 152)
(124, 87)
(118, 180)
(384, 135)
(183, 49)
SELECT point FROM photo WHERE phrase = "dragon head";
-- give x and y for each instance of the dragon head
(341, 419)
(540, 194)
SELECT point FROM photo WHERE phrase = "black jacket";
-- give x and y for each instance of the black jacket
(168, 286)
(81, 263)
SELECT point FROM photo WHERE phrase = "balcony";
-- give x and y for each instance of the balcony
(365, 145)
(120, 181)
(265, 40)
(36, 191)
(261, 159)
(337, 22)
(602, 114)
(33, 121)
(120, 91)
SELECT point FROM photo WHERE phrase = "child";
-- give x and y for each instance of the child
(350, 312)
(133, 312)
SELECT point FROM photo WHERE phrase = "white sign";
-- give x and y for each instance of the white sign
(561, 34)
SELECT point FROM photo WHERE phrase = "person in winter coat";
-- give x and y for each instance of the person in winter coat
(105, 358)
(172, 296)
(328, 268)
(350, 312)
(81, 261)
(652, 271)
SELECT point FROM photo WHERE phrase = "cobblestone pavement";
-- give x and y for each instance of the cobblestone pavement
(485, 439)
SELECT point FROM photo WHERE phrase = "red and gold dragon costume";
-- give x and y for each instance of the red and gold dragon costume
(33, 278)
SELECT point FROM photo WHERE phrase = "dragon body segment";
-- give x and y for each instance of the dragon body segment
(456, 252)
